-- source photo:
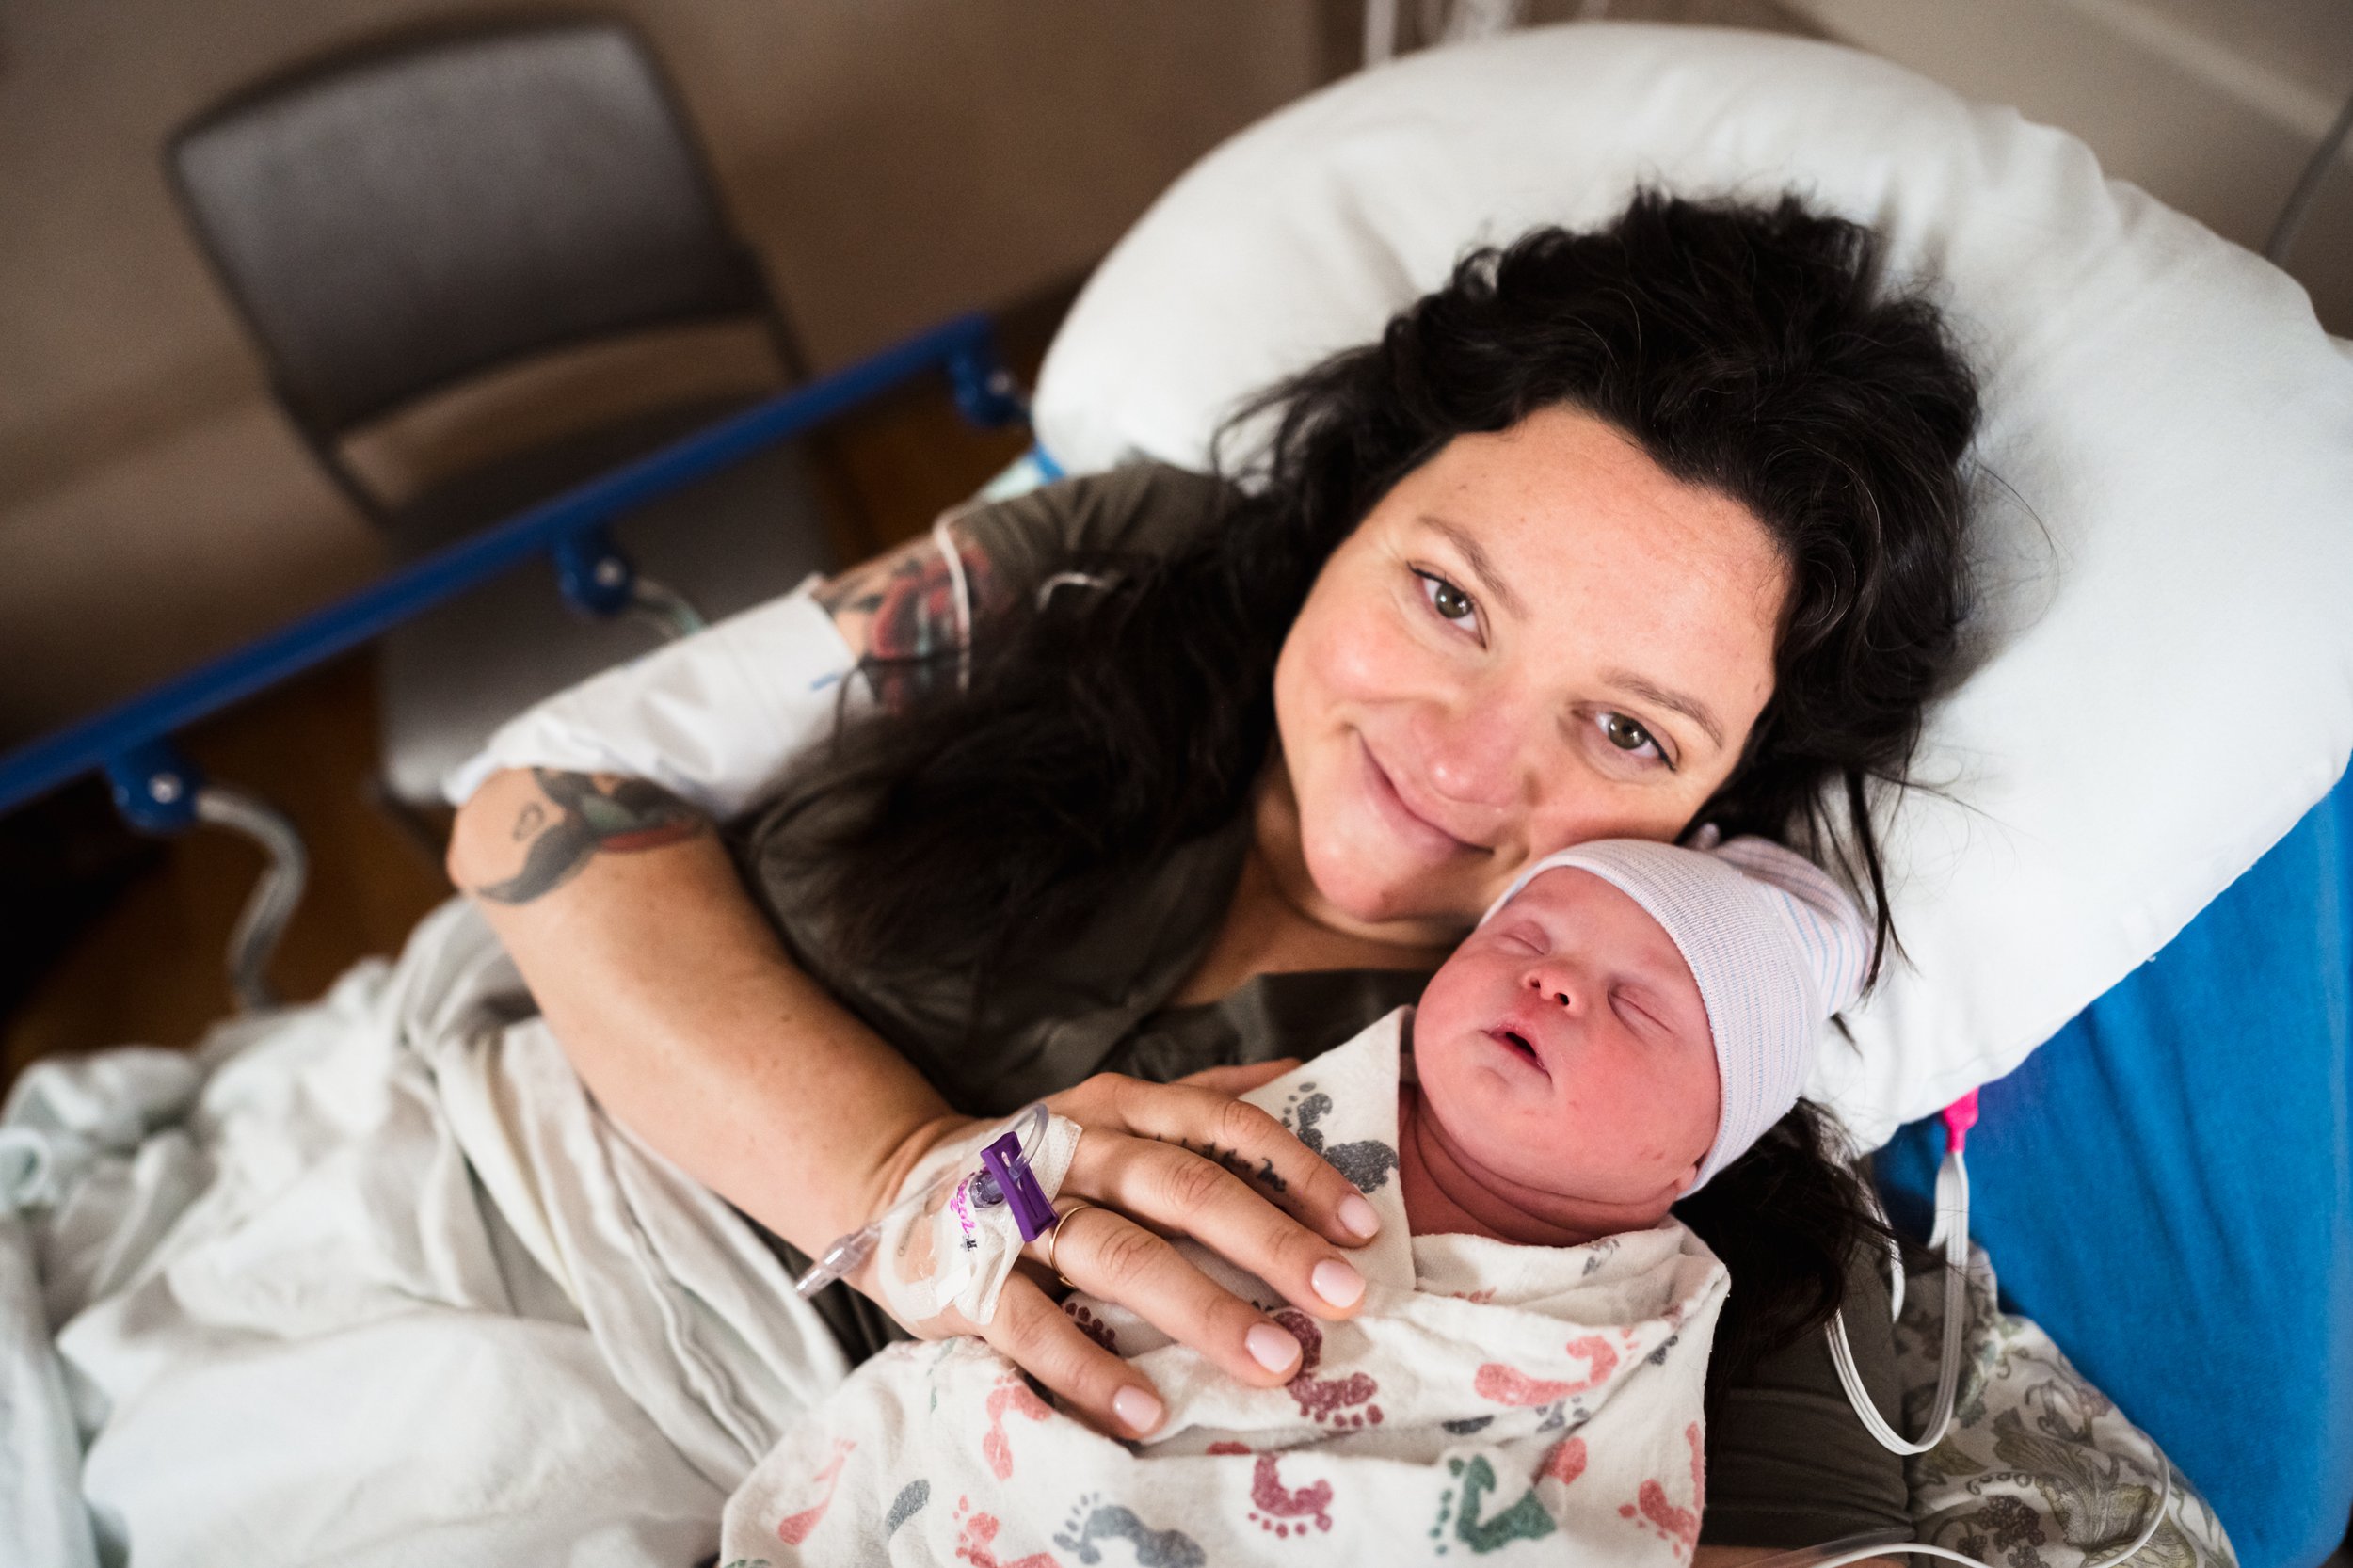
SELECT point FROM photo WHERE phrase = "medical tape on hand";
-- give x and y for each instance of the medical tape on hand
(973, 1245)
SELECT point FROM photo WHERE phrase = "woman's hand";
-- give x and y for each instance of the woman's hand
(1163, 1160)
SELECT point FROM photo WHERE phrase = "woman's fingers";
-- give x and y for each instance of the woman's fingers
(1180, 1193)
(1111, 1256)
(1238, 1079)
(1246, 1142)
(1031, 1331)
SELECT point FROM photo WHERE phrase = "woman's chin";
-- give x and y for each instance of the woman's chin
(1415, 906)
(1359, 881)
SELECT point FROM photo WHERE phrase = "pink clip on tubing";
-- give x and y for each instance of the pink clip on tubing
(1960, 1117)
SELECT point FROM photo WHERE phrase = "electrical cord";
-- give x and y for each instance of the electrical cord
(1840, 1558)
(2299, 202)
(1952, 1233)
(962, 588)
(671, 611)
(274, 897)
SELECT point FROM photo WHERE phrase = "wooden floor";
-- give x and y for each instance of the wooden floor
(149, 966)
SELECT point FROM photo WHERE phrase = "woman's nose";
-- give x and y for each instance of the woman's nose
(1474, 752)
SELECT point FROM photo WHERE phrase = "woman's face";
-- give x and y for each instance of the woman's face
(1536, 639)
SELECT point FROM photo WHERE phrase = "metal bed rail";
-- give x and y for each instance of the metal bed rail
(131, 742)
(158, 789)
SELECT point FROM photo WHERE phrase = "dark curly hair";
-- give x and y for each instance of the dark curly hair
(1754, 350)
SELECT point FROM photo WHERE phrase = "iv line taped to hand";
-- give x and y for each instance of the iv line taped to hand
(963, 1216)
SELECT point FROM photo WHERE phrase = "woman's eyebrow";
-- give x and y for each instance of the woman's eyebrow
(1675, 702)
(1481, 565)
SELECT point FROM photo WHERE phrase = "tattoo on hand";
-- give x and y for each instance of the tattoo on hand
(624, 816)
(1232, 1160)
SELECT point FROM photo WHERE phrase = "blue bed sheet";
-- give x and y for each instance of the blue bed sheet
(2167, 1187)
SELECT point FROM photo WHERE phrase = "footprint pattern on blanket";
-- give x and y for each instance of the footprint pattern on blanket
(1366, 1162)
(1011, 1393)
(1283, 1509)
(1510, 1386)
(906, 1505)
(793, 1528)
(1679, 1527)
(1093, 1520)
(1473, 1526)
(1092, 1326)
(1328, 1402)
(976, 1541)
(1564, 1463)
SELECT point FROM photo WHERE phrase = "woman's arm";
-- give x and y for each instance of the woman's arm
(676, 1005)
(687, 1020)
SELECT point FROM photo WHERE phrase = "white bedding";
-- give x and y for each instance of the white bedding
(373, 1281)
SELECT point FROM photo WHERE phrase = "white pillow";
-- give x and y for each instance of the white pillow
(2169, 612)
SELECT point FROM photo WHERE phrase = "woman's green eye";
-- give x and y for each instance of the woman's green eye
(1444, 598)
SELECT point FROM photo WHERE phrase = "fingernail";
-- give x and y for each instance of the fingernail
(1358, 1216)
(1137, 1410)
(1270, 1348)
(1336, 1283)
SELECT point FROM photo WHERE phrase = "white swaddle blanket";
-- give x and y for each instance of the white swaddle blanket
(1542, 1402)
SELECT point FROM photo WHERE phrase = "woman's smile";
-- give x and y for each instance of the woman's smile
(1418, 828)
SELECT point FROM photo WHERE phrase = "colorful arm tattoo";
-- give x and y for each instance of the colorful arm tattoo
(900, 610)
(583, 816)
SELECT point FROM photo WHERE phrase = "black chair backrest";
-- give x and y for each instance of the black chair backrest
(391, 223)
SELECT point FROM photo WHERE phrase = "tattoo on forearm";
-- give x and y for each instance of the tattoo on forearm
(585, 816)
(909, 602)
(1233, 1160)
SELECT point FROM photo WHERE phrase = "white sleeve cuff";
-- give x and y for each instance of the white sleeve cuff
(715, 718)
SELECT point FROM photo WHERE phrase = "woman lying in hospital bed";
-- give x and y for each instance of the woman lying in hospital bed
(1615, 534)
(1526, 1367)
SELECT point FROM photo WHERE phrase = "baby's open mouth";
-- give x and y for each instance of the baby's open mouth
(1513, 1040)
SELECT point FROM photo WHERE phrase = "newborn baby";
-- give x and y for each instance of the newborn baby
(1626, 1021)
(1526, 1373)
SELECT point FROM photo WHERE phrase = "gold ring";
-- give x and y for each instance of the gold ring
(1053, 1236)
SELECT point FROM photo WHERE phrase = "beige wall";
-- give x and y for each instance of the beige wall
(2213, 106)
(893, 161)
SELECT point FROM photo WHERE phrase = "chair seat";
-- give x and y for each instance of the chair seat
(449, 678)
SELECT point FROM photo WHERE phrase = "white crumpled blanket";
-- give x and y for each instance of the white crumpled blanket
(373, 1281)
(1541, 1403)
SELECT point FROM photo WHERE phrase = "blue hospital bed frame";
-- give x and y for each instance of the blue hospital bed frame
(154, 784)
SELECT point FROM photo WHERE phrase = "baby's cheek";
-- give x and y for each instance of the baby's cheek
(1441, 1016)
(1649, 1121)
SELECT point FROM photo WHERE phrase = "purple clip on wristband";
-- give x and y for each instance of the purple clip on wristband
(1004, 1162)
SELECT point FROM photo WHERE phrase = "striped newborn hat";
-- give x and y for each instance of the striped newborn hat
(1774, 943)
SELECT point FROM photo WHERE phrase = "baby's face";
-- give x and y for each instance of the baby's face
(1565, 1049)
